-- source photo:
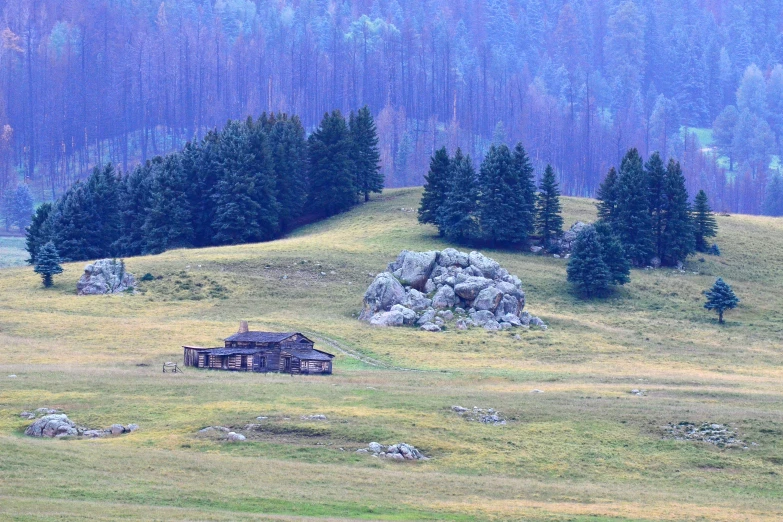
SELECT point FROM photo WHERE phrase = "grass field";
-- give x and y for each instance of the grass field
(583, 450)
(12, 252)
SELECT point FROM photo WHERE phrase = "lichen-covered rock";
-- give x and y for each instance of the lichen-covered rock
(393, 318)
(445, 298)
(414, 268)
(416, 301)
(488, 299)
(469, 289)
(105, 276)
(408, 315)
(55, 425)
(384, 292)
(482, 317)
(488, 267)
(431, 327)
(453, 257)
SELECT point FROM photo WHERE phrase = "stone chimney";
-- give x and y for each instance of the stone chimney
(243, 327)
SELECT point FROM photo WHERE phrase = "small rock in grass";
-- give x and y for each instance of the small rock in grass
(235, 437)
(117, 429)
(12, 376)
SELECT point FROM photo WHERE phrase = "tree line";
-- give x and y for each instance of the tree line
(498, 206)
(579, 82)
(252, 181)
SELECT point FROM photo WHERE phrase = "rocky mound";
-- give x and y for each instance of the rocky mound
(717, 434)
(59, 425)
(482, 415)
(105, 276)
(399, 451)
(429, 289)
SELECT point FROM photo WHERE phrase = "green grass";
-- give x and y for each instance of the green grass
(585, 449)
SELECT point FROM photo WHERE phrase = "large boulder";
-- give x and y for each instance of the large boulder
(414, 268)
(488, 267)
(393, 318)
(105, 276)
(488, 299)
(56, 425)
(508, 305)
(452, 257)
(382, 294)
(445, 298)
(409, 316)
(470, 288)
(416, 301)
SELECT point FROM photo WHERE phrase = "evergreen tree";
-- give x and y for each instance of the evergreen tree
(721, 298)
(365, 154)
(773, 200)
(607, 197)
(614, 254)
(261, 169)
(458, 216)
(526, 219)
(135, 195)
(549, 219)
(587, 270)
(704, 224)
(168, 222)
(103, 200)
(201, 164)
(436, 184)
(633, 225)
(677, 236)
(330, 172)
(289, 158)
(723, 130)
(72, 220)
(47, 263)
(501, 205)
(39, 232)
(656, 180)
(18, 207)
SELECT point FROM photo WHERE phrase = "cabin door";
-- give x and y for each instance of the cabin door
(287, 364)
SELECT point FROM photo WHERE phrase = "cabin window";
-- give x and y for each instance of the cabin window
(325, 367)
(206, 360)
(262, 362)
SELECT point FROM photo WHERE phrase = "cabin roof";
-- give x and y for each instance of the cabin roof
(311, 355)
(262, 337)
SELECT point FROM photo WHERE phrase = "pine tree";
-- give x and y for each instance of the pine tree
(102, 191)
(656, 180)
(71, 220)
(365, 154)
(587, 270)
(501, 205)
(168, 222)
(21, 208)
(633, 225)
(288, 148)
(458, 216)
(773, 200)
(549, 219)
(135, 193)
(677, 237)
(614, 254)
(436, 184)
(39, 232)
(704, 223)
(721, 298)
(607, 197)
(526, 220)
(47, 263)
(261, 169)
(330, 172)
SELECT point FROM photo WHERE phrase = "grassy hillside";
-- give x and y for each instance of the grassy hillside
(584, 449)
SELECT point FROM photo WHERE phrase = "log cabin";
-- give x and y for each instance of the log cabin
(262, 352)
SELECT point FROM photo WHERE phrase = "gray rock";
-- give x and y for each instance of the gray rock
(130, 428)
(445, 298)
(235, 437)
(430, 286)
(117, 429)
(506, 326)
(53, 425)
(431, 327)
(488, 267)
(393, 318)
(459, 409)
(452, 257)
(375, 447)
(492, 325)
(488, 299)
(105, 276)
(416, 301)
(439, 321)
(27, 415)
(525, 318)
(535, 321)
(461, 324)
(446, 315)
(459, 311)
(536, 249)
(512, 319)
(384, 292)
(414, 268)
(482, 317)
(408, 315)
(509, 305)
(471, 287)
(94, 434)
(426, 317)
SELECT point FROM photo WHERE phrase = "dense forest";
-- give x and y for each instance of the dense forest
(579, 82)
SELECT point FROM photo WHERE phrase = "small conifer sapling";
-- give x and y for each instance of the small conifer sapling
(47, 263)
(721, 298)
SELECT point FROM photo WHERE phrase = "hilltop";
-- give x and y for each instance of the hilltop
(584, 449)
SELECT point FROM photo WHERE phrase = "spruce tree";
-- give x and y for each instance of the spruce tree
(168, 221)
(587, 270)
(721, 298)
(261, 169)
(633, 225)
(614, 254)
(71, 221)
(526, 219)
(288, 148)
(607, 197)
(201, 164)
(549, 219)
(103, 200)
(135, 193)
(773, 200)
(704, 223)
(436, 184)
(677, 238)
(365, 154)
(656, 180)
(47, 263)
(330, 170)
(458, 216)
(501, 204)
(39, 232)
(21, 210)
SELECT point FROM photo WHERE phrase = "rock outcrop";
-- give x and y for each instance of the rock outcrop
(105, 276)
(429, 289)
(399, 451)
(59, 425)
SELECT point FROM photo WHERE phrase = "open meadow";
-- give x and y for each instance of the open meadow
(579, 448)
